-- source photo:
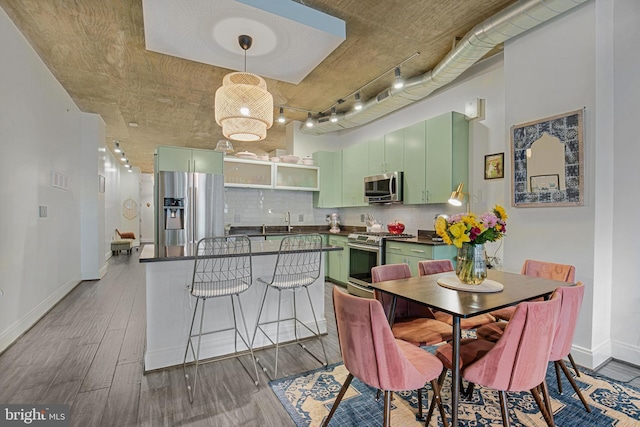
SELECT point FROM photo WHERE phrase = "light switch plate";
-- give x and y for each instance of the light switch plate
(42, 211)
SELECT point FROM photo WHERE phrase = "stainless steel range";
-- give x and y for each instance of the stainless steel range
(366, 250)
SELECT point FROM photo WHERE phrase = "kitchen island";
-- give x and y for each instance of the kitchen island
(169, 270)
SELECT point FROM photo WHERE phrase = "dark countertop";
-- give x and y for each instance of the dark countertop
(153, 253)
(420, 240)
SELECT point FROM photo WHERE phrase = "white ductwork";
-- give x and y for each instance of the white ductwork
(510, 22)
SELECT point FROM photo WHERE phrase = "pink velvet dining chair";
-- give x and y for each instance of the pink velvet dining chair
(517, 361)
(545, 269)
(372, 355)
(571, 297)
(412, 322)
(436, 266)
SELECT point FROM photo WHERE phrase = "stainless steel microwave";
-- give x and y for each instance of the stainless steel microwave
(385, 188)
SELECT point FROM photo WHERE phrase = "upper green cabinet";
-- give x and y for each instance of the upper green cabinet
(330, 194)
(354, 168)
(189, 160)
(436, 158)
(386, 153)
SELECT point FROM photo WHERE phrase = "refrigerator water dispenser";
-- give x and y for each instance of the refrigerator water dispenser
(173, 213)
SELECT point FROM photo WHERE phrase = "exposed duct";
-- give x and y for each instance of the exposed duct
(510, 22)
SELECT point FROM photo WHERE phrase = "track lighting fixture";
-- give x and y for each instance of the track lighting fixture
(309, 121)
(117, 144)
(281, 118)
(398, 83)
(123, 158)
(358, 104)
(334, 115)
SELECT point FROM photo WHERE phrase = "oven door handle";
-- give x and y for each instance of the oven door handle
(367, 248)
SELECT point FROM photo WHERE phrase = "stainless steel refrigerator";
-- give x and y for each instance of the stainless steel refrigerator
(191, 206)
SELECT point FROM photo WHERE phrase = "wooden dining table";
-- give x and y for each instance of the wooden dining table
(425, 290)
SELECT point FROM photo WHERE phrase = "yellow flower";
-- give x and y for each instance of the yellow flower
(501, 212)
(459, 233)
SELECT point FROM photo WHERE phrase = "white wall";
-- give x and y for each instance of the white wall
(147, 208)
(39, 133)
(626, 252)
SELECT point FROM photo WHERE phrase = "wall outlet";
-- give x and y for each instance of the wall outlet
(361, 217)
(236, 218)
(42, 211)
(301, 218)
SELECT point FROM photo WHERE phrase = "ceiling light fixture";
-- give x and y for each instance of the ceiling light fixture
(358, 104)
(243, 106)
(398, 83)
(117, 144)
(224, 146)
(133, 124)
(309, 121)
(122, 157)
(334, 115)
(281, 118)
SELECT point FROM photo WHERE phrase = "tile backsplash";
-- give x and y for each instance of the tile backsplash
(250, 207)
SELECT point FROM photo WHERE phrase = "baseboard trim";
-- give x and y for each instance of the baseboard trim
(22, 325)
(625, 352)
(591, 358)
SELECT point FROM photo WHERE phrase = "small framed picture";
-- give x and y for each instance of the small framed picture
(494, 166)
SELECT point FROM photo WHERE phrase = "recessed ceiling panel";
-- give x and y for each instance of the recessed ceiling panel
(289, 39)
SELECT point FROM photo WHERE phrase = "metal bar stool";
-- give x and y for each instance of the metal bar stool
(222, 268)
(297, 266)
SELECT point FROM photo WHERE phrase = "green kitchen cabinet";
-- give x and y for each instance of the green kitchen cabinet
(436, 156)
(354, 168)
(411, 253)
(179, 159)
(330, 164)
(386, 153)
(338, 260)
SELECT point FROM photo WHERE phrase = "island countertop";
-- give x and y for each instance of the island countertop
(155, 253)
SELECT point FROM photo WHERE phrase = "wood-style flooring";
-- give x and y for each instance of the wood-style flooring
(87, 352)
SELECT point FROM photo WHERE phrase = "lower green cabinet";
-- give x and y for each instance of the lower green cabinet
(338, 261)
(411, 253)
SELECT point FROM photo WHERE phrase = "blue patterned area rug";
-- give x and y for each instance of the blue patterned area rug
(308, 398)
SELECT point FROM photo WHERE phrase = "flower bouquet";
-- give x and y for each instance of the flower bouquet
(469, 232)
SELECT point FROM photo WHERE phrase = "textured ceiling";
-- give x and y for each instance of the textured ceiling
(96, 49)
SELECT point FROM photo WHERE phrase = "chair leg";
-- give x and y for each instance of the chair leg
(315, 319)
(557, 369)
(255, 331)
(343, 390)
(541, 405)
(246, 331)
(441, 378)
(386, 422)
(275, 371)
(573, 384)
(438, 398)
(547, 400)
(419, 416)
(573, 363)
(504, 409)
(192, 389)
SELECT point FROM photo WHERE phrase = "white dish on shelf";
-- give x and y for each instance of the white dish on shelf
(290, 159)
(275, 159)
(307, 161)
(246, 155)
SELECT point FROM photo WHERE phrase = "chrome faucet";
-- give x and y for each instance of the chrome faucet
(287, 220)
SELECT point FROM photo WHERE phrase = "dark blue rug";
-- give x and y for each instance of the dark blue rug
(308, 398)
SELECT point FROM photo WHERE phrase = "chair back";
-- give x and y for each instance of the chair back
(222, 266)
(434, 266)
(571, 297)
(549, 270)
(299, 260)
(369, 350)
(518, 361)
(404, 308)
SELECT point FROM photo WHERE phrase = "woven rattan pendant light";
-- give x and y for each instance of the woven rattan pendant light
(243, 107)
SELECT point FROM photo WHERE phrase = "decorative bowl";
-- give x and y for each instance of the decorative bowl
(395, 227)
(246, 155)
(290, 159)
(275, 159)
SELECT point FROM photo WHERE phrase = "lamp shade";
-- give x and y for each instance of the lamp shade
(244, 107)
(457, 196)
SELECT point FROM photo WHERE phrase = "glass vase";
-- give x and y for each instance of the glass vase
(472, 264)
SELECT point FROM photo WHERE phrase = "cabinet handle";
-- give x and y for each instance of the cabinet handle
(417, 251)
(394, 247)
